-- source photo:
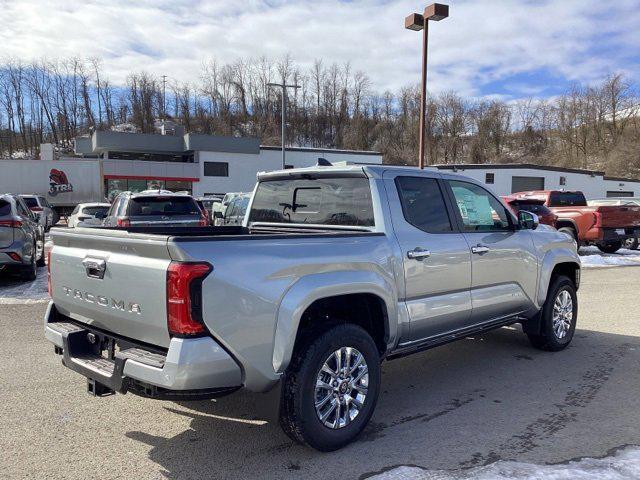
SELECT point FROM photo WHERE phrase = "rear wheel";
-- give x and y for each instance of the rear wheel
(558, 316)
(331, 388)
(30, 272)
(610, 247)
(631, 243)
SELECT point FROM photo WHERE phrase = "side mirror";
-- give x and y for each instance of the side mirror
(528, 220)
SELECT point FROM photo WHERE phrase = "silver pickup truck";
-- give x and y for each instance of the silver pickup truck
(334, 270)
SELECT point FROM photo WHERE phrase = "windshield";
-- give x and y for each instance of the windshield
(93, 211)
(322, 201)
(163, 206)
(532, 207)
(567, 199)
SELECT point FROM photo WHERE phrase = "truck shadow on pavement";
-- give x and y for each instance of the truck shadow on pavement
(462, 405)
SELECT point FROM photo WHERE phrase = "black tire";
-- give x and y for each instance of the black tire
(546, 338)
(30, 272)
(631, 243)
(569, 231)
(298, 417)
(41, 262)
(611, 247)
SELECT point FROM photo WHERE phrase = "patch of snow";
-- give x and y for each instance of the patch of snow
(14, 291)
(624, 465)
(591, 257)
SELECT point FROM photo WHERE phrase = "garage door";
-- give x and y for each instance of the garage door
(522, 184)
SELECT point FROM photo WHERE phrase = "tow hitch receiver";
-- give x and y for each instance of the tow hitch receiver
(97, 389)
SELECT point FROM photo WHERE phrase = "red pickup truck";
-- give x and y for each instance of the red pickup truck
(604, 226)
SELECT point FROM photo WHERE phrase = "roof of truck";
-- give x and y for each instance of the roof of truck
(374, 171)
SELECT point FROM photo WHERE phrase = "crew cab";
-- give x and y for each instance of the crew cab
(334, 270)
(606, 227)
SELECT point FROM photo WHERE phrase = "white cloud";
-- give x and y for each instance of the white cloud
(481, 42)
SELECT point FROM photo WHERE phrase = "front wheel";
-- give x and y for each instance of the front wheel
(558, 316)
(611, 247)
(331, 388)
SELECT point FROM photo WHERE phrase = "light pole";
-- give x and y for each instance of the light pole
(283, 119)
(417, 22)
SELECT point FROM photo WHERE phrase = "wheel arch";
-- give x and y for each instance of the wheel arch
(557, 262)
(331, 292)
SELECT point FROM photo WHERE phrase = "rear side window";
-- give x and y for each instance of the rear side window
(322, 201)
(423, 204)
(5, 208)
(30, 201)
(567, 199)
(164, 206)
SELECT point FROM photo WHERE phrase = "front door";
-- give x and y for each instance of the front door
(504, 264)
(436, 257)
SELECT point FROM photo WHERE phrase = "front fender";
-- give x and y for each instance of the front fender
(323, 285)
(552, 258)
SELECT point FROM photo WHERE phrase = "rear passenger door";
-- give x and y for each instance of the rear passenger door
(436, 257)
(504, 264)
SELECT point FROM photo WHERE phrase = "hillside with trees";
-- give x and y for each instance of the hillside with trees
(594, 127)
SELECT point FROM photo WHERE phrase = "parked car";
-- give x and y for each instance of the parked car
(21, 238)
(88, 215)
(236, 210)
(205, 204)
(43, 210)
(632, 243)
(545, 216)
(606, 227)
(154, 207)
(335, 270)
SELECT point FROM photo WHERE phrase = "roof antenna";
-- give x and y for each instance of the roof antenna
(323, 162)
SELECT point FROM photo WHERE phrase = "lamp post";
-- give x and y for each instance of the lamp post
(417, 22)
(283, 110)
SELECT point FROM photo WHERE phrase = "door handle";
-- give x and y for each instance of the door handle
(479, 249)
(418, 254)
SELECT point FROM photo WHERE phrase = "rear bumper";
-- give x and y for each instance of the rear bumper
(611, 234)
(191, 368)
(7, 261)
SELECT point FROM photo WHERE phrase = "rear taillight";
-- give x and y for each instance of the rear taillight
(15, 257)
(11, 223)
(35, 209)
(123, 222)
(184, 298)
(49, 272)
(204, 221)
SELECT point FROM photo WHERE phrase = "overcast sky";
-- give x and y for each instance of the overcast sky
(503, 48)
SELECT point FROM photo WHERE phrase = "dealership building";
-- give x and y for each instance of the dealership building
(504, 179)
(200, 164)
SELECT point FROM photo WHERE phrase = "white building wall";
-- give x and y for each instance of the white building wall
(592, 186)
(244, 167)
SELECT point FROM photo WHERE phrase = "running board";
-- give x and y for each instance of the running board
(426, 344)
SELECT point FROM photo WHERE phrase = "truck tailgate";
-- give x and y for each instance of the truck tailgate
(112, 280)
(619, 216)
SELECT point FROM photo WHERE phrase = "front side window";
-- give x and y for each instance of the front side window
(31, 201)
(423, 204)
(480, 211)
(320, 201)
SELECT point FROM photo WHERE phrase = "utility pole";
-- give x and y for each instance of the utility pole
(283, 110)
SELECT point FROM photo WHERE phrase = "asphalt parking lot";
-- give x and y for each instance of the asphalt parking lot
(456, 407)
